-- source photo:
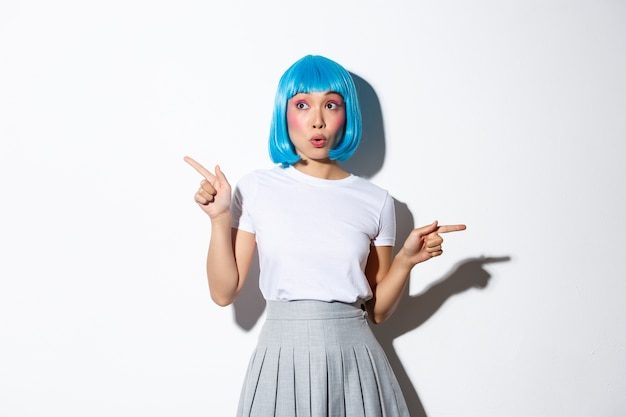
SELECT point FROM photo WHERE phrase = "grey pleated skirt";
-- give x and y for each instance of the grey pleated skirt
(319, 359)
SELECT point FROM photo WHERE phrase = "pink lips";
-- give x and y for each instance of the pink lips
(318, 141)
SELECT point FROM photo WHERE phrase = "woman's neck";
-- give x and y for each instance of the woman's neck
(329, 170)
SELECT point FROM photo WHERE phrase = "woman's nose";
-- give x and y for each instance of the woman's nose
(318, 120)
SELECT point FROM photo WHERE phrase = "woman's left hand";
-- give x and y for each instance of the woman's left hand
(425, 242)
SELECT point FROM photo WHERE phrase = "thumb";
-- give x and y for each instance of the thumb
(220, 175)
(424, 230)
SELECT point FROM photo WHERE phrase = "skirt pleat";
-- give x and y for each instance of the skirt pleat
(318, 359)
(285, 385)
(302, 373)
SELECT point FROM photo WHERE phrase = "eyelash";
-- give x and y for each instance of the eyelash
(330, 105)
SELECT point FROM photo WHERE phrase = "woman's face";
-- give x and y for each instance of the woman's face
(315, 123)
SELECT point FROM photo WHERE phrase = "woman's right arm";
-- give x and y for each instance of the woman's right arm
(230, 250)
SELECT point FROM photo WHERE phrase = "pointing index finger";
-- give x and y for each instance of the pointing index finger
(198, 167)
(451, 228)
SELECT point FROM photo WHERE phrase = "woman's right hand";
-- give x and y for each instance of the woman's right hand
(214, 194)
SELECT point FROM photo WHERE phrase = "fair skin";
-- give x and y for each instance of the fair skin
(315, 123)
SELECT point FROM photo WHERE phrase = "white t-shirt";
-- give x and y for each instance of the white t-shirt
(313, 235)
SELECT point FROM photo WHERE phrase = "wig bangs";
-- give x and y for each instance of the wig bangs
(315, 75)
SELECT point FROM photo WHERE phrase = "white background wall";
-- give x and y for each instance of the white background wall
(506, 115)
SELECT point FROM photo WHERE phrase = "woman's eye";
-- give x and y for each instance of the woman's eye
(332, 105)
(301, 106)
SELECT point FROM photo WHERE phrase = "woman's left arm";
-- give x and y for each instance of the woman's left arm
(387, 275)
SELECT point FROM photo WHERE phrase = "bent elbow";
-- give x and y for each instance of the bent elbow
(377, 319)
(375, 316)
(222, 303)
(222, 300)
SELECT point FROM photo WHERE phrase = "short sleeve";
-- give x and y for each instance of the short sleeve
(387, 230)
(241, 205)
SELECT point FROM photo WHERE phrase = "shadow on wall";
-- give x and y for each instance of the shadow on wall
(413, 310)
(369, 157)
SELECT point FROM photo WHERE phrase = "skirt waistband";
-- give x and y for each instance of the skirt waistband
(313, 310)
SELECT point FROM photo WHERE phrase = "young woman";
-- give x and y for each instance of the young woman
(325, 245)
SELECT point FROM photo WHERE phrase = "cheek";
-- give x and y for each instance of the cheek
(293, 121)
(337, 123)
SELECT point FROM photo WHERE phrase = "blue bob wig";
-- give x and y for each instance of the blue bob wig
(310, 74)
